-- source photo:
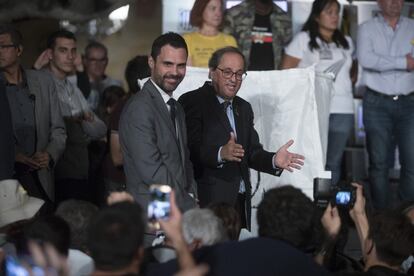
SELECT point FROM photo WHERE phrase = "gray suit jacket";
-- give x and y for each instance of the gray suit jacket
(152, 153)
(50, 128)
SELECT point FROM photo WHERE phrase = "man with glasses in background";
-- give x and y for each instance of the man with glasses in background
(222, 140)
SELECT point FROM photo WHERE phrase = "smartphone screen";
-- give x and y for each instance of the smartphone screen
(13, 266)
(159, 205)
(343, 197)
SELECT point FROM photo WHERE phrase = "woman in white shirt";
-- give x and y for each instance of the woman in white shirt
(321, 43)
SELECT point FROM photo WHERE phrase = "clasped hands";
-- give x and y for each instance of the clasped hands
(39, 160)
(283, 158)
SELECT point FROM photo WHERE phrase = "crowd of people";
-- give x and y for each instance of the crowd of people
(79, 153)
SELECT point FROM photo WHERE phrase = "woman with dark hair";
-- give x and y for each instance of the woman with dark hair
(321, 43)
(207, 16)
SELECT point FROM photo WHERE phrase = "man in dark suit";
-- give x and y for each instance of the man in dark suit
(38, 128)
(152, 128)
(222, 140)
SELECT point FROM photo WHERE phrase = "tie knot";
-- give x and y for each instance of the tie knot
(171, 102)
(225, 105)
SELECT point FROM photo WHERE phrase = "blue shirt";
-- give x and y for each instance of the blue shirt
(382, 53)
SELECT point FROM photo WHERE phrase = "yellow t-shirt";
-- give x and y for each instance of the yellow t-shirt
(201, 47)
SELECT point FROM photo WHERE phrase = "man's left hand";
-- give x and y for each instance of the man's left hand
(288, 160)
(42, 158)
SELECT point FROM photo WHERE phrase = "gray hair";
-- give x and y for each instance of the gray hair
(203, 225)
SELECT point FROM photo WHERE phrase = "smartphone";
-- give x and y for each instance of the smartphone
(15, 267)
(159, 206)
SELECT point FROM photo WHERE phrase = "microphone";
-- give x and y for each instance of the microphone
(32, 97)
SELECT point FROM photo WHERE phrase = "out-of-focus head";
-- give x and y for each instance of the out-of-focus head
(137, 68)
(227, 69)
(168, 61)
(391, 8)
(230, 218)
(11, 46)
(390, 238)
(62, 52)
(201, 228)
(207, 12)
(287, 214)
(78, 214)
(95, 60)
(111, 96)
(324, 14)
(115, 237)
(50, 229)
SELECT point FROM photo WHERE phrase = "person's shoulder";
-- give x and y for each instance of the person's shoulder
(302, 35)
(193, 96)
(229, 39)
(43, 77)
(189, 36)
(409, 21)
(243, 7)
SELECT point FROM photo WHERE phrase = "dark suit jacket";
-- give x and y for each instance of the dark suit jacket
(208, 129)
(152, 154)
(50, 128)
(257, 256)
(6, 135)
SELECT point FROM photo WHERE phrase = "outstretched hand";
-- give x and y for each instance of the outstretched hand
(287, 160)
(232, 151)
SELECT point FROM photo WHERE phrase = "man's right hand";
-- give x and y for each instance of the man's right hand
(42, 60)
(232, 151)
(30, 162)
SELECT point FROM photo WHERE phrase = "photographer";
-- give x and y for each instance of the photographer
(387, 239)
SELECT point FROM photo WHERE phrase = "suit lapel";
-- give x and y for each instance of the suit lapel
(218, 110)
(160, 105)
(165, 114)
(34, 89)
(238, 121)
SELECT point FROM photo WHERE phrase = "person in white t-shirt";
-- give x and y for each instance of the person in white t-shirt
(321, 43)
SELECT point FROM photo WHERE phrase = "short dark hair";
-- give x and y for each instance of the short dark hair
(173, 39)
(15, 35)
(230, 218)
(393, 236)
(196, 14)
(62, 33)
(312, 26)
(111, 95)
(95, 45)
(137, 68)
(78, 214)
(51, 229)
(115, 236)
(287, 214)
(216, 57)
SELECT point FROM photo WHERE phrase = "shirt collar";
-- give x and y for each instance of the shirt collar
(164, 94)
(382, 19)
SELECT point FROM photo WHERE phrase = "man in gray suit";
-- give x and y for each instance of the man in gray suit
(152, 128)
(38, 128)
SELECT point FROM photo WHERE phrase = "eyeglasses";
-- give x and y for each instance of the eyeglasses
(228, 74)
(7, 46)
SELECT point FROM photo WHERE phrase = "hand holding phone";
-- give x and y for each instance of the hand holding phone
(159, 207)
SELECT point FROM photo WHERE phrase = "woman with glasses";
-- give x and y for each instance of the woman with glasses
(320, 42)
(207, 16)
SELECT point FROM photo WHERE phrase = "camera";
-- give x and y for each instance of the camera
(342, 196)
